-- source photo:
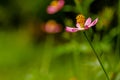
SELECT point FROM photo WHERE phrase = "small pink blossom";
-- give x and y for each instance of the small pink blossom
(52, 26)
(55, 6)
(88, 23)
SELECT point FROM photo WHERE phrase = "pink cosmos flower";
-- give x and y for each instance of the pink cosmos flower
(81, 25)
(52, 26)
(55, 6)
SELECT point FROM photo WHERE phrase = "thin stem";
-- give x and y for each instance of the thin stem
(96, 56)
(47, 55)
(76, 60)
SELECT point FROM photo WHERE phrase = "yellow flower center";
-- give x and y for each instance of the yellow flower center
(51, 24)
(54, 3)
(80, 19)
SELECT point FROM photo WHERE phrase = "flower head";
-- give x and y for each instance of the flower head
(52, 27)
(81, 24)
(55, 6)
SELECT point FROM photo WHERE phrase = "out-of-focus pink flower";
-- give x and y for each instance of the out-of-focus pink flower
(55, 6)
(81, 24)
(52, 27)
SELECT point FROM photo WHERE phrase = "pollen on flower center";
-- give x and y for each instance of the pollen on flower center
(51, 23)
(80, 19)
(54, 3)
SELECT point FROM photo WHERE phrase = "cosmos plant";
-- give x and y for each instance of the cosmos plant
(81, 24)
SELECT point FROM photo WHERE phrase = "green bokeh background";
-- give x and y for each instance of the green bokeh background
(28, 53)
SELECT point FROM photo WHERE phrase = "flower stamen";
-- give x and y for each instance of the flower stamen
(54, 3)
(80, 19)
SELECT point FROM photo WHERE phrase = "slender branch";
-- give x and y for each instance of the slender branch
(96, 55)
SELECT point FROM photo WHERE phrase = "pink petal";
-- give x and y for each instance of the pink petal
(88, 21)
(61, 4)
(79, 27)
(51, 9)
(69, 29)
(93, 23)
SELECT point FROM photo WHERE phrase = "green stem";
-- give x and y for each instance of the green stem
(76, 60)
(96, 55)
(47, 54)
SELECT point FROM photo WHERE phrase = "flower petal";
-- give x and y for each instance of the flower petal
(79, 27)
(88, 21)
(93, 23)
(61, 4)
(51, 9)
(69, 29)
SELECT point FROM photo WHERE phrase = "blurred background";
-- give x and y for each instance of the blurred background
(35, 46)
